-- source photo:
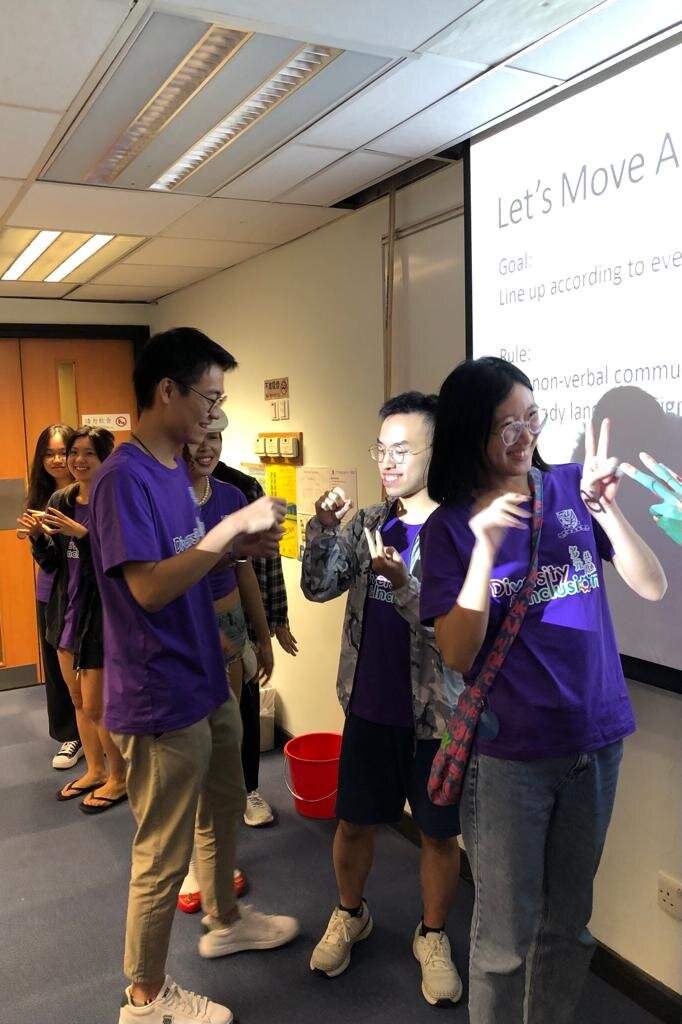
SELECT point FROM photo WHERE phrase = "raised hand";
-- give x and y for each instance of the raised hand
(600, 479)
(665, 484)
(505, 512)
(258, 545)
(262, 514)
(331, 507)
(386, 561)
(55, 521)
(29, 525)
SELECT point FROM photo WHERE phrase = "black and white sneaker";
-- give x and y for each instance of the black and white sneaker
(68, 755)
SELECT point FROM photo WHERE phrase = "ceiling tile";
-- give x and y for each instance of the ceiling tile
(116, 293)
(140, 276)
(347, 176)
(406, 25)
(47, 50)
(338, 80)
(489, 96)
(33, 289)
(284, 169)
(156, 52)
(241, 220)
(194, 252)
(23, 134)
(8, 190)
(88, 208)
(396, 96)
(607, 31)
(496, 29)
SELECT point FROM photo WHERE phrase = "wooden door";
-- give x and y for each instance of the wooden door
(45, 381)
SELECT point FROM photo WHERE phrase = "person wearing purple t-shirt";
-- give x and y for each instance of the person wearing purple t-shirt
(539, 788)
(73, 619)
(394, 691)
(49, 472)
(166, 695)
(236, 594)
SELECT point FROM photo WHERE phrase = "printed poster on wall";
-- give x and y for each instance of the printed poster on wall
(311, 482)
(281, 483)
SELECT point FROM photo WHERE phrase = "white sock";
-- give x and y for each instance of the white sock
(190, 883)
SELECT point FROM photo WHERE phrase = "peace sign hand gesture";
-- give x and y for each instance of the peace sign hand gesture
(666, 485)
(600, 479)
(386, 561)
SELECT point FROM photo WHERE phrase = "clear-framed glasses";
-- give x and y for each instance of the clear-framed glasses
(396, 453)
(511, 432)
(213, 403)
(55, 456)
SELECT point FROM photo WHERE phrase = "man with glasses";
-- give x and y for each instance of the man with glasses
(395, 692)
(167, 703)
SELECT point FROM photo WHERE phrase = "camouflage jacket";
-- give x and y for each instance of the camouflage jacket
(338, 560)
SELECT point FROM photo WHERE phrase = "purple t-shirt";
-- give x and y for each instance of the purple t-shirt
(67, 640)
(162, 670)
(382, 689)
(224, 500)
(44, 584)
(561, 689)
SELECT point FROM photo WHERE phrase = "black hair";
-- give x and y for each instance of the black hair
(410, 401)
(182, 354)
(102, 440)
(464, 420)
(41, 484)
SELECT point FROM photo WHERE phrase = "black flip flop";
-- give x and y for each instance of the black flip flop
(107, 803)
(76, 791)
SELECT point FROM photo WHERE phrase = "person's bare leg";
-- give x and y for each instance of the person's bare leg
(353, 856)
(235, 674)
(115, 784)
(439, 873)
(92, 747)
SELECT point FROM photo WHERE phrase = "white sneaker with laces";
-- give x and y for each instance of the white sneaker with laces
(331, 955)
(174, 1005)
(251, 930)
(258, 811)
(68, 755)
(441, 984)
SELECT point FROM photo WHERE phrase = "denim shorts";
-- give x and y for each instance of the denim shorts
(233, 625)
(379, 769)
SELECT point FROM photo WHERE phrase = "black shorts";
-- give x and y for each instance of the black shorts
(379, 770)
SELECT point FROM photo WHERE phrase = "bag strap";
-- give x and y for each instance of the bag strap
(514, 617)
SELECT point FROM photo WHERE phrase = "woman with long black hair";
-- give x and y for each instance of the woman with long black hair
(49, 472)
(540, 784)
(74, 619)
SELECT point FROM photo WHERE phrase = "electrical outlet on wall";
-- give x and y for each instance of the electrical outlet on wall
(670, 895)
(272, 446)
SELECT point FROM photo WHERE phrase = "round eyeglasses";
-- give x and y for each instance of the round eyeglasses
(395, 453)
(511, 432)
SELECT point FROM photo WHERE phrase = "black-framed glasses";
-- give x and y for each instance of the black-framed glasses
(395, 452)
(511, 432)
(213, 403)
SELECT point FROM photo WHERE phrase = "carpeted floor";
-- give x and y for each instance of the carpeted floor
(64, 881)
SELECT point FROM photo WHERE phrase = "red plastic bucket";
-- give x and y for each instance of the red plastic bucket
(313, 761)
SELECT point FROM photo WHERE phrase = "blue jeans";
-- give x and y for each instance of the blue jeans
(534, 832)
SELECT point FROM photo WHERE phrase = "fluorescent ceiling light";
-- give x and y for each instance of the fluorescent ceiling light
(30, 254)
(203, 61)
(306, 63)
(86, 250)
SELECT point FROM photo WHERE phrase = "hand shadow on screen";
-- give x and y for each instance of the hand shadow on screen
(639, 424)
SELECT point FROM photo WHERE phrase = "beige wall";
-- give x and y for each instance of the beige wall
(55, 311)
(312, 310)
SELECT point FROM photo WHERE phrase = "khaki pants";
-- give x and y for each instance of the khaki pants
(184, 787)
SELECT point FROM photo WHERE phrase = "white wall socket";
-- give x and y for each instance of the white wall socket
(288, 447)
(272, 446)
(259, 447)
(670, 895)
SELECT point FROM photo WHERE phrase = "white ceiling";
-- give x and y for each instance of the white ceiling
(414, 77)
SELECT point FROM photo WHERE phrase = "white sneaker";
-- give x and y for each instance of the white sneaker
(174, 1005)
(332, 953)
(258, 811)
(68, 755)
(441, 984)
(251, 930)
